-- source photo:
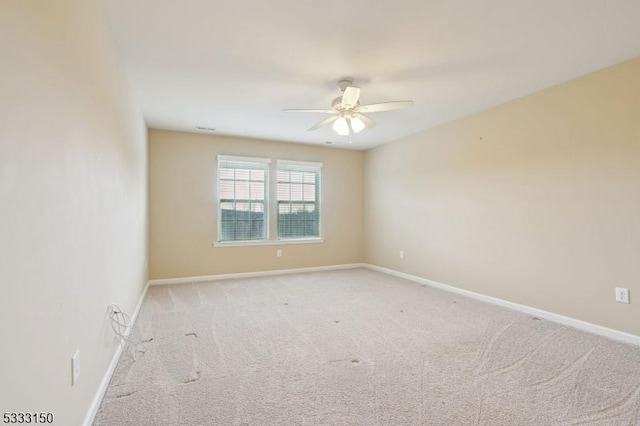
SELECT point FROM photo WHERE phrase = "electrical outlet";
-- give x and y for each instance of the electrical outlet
(401, 254)
(75, 367)
(278, 253)
(622, 295)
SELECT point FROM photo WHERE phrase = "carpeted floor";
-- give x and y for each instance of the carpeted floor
(357, 347)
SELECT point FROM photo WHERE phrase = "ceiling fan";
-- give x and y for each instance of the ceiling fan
(347, 112)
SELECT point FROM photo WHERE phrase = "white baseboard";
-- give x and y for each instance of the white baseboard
(102, 388)
(620, 336)
(254, 274)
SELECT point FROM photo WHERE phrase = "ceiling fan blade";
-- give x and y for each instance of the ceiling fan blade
(324, 111)
(366, 120)
(384, 106)
(350, 97)
(324, 122)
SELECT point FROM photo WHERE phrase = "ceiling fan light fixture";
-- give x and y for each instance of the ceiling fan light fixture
(347, 114)
(341, 126)
(357, 125)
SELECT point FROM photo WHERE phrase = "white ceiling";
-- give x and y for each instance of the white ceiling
(234, 65)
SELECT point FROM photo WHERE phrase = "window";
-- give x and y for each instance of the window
(244, 203)
(298, 200)
(242, 198)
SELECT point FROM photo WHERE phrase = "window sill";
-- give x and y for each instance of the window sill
(267, 242)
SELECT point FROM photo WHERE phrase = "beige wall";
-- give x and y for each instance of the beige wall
(536, 201)
(183, 216)
(72, 203)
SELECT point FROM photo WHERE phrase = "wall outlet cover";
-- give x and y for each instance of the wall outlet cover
(622, 295)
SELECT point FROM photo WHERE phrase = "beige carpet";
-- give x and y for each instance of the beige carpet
(357, 347)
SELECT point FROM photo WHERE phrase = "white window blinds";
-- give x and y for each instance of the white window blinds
(242, 198)
(298, 199)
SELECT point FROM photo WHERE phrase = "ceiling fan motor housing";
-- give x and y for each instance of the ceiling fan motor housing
(337, 104)
(344, 83)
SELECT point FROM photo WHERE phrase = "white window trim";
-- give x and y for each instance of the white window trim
(298, 165)
(302, 166)
(268, 242)
(280, 164)
(267, 196)
(243, 159)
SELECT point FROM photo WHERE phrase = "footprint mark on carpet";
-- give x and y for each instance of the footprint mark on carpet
(193, 377)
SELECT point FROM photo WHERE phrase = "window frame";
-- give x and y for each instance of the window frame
(270, 184)
(295, 165)
(267, 169)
